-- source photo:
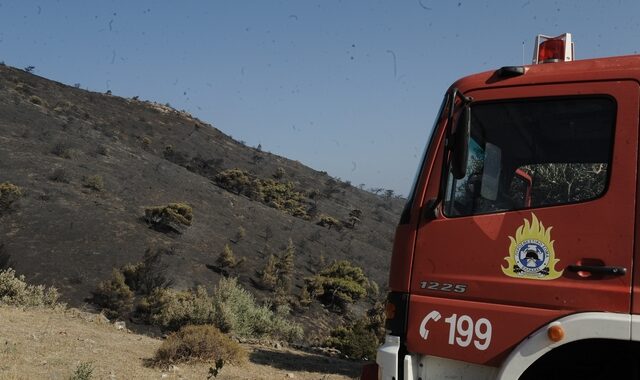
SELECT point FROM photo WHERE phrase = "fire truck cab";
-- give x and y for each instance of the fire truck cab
(515, 256)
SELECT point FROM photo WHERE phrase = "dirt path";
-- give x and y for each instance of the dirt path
(45, 344)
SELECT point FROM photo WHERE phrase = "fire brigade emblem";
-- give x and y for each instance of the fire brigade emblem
(531, 253)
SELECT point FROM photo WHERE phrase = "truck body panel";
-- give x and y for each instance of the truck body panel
(471, 250)
(534, 247)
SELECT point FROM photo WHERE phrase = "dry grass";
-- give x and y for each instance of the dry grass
(204, 343)
(46, 344)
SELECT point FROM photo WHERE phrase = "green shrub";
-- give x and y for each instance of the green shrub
(239, 182)
(203, 343)
(329, 221)
(282, 196)
(376, 318)
(114, 296)
(226, 257)
(360, 338)
(374, 289)
(9, 194)
(171, 309)
(340, 284)
(93, 182)
(36, 100)
(230, 308)
(279, 195)
(356, 341)
(84, 371)
(237, 312)
(14, 291)
(172, 217)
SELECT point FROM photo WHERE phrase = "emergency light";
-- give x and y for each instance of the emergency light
(553, 49)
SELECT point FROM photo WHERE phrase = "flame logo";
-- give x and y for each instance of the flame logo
(531, 253)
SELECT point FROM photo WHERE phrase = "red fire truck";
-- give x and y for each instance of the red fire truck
(516, 255)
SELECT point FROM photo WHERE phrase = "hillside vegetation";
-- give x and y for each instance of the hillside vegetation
(126, 204)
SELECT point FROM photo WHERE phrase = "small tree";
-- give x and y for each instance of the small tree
(226, 257)
(114, 296)
(305, 297)
(149, 274)
(284, 267)
(239, 182)
(340, 284)
(355, 340)
(9, 194)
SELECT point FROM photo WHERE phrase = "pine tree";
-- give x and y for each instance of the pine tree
(268, 277)
(305, 297)
(280, 295)
(285, 267)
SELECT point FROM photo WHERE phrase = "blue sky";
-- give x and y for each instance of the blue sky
(349, 87)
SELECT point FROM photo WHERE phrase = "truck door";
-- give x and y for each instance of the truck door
(540, 226)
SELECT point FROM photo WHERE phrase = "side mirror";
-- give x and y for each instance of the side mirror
(460, 146)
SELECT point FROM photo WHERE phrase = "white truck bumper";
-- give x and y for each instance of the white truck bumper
(426, 367)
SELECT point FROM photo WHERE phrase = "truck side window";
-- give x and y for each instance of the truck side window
(534, 153)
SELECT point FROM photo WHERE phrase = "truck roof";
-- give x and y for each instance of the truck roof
(611, 68)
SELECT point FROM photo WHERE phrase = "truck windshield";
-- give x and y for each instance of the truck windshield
(416, 178)
(534, 153)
